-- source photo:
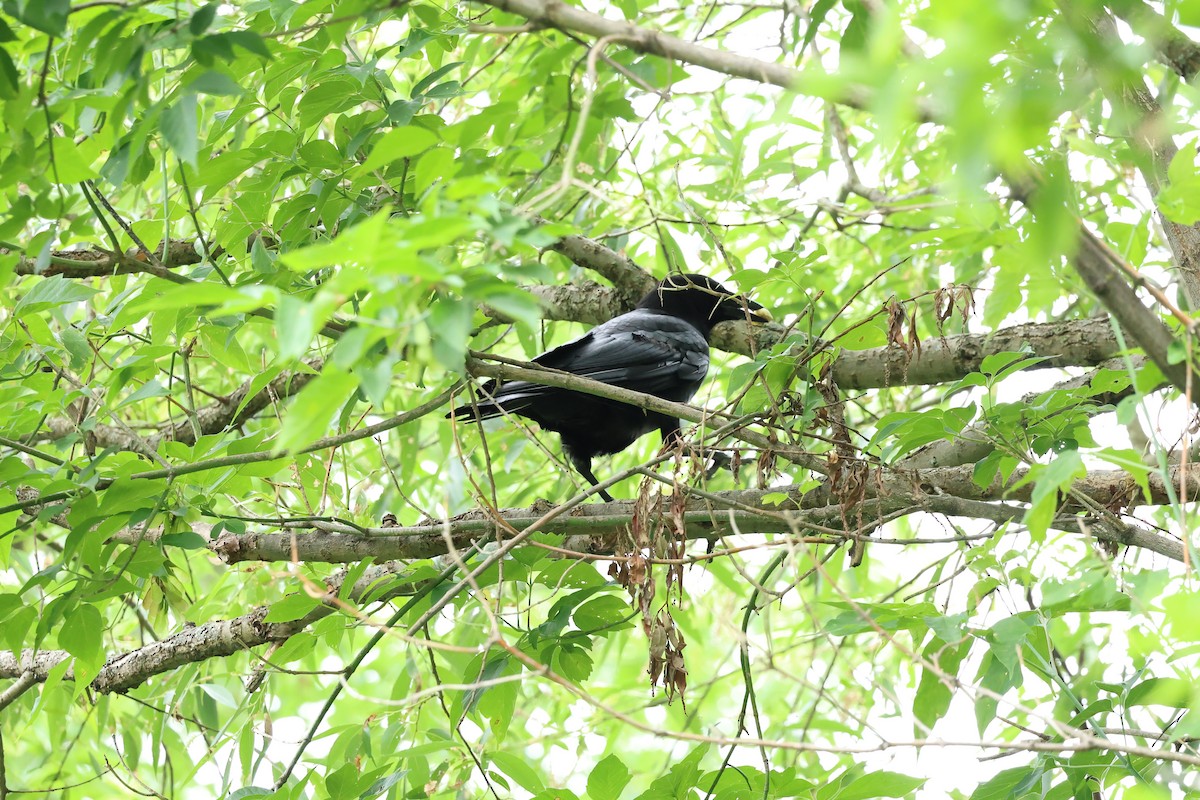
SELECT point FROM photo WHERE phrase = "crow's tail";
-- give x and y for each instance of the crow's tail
(486, 409)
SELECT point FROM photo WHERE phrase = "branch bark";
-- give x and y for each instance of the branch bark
(594, 527)
(212, 418)
(218, 639)
(630, 281)
(1140, 118)
(893, 491)
(97, 263)
(973, 445)
(1175, 49)
(1074, 343)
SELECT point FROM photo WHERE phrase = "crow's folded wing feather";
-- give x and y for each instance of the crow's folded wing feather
(646, 352)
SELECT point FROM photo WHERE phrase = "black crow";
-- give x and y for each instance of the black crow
(659, 348)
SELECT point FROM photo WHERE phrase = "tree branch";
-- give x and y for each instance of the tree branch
(630, 281)
(223, 638)
(1141, 119)
(252, 457)
(217, 639)
(1175, 49)
(213, 418)
(973, 445)
(1075, 343)
(97, 263)
(595, 527)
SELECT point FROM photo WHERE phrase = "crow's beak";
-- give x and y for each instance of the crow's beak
(762, 314)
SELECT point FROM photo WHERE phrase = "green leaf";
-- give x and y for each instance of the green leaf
(888, 616)
(679, 781)
(450, 329)
(215, 83)
(149, 389)
(880, 784)
(381, 786)
(1009, 784)
(179, 128)
(815, 17)
(573, 663)
(296, 324)
(77, 345)
(855, 37)
(1057, 476)
(933, 696)
(1093, 591)
(602, 613)
(250, 41)
(429, 79)
(296, 647)
(72, 162)
(1183, 614)
(374, 242)
(81, 632)
(494, 668)
(10, 80)
(608, 779)
(1178, 200)
(1172, 692)
(81, 636)
(48, 16)
(437, 164)
(399, 143)
(50, 293)
(1177, 352)
(292, 607)
(328, 97)
(202, 19)
(321, 154)
(187, 540)
(517, 768)
(314, 408)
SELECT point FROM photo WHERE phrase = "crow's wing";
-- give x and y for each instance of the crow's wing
(644, 350)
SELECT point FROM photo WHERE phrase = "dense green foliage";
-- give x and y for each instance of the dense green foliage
(360, 192)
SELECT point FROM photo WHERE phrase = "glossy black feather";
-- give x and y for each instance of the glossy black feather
(659, 348)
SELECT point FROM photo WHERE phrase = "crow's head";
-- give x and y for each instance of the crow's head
(701, 301)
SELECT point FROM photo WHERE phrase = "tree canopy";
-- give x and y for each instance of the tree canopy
(929, 534)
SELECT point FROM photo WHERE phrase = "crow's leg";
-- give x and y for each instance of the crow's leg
(584, 467)
(671, 435)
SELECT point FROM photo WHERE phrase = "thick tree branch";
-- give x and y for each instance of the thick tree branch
(553, 14)
(708, 515)
(223, 638)
(630, 281)
(549, 14)
(238, 459)
(1140, 118)
(1175, 49)
(1074, 343)
(1104, 273)
(218, 639)
(212, 418)
(96, 263)
(595, 528)
(973, 445)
